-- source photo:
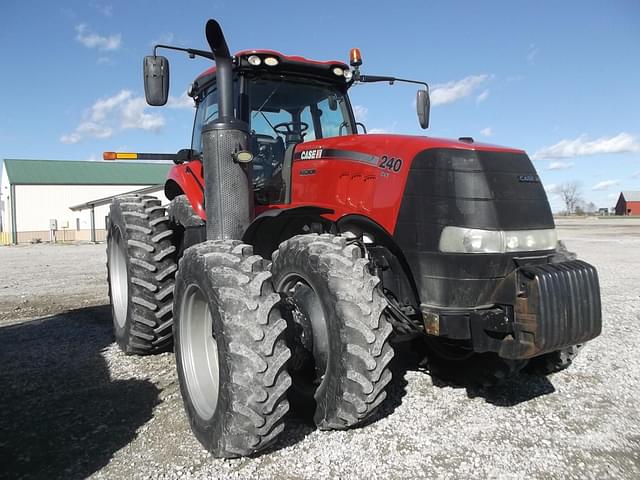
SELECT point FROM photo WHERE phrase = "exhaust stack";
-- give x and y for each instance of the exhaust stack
(227, 192)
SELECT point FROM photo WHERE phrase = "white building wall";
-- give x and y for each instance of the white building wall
(37, 204)
(4, 200)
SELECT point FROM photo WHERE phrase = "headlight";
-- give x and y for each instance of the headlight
(254, 60)
(473, 240)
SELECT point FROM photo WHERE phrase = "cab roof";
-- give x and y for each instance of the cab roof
(294, 64)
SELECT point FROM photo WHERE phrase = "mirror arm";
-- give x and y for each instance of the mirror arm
(191, 51)
(391, 80)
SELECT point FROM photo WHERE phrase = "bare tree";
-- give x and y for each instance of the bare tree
(571, 196)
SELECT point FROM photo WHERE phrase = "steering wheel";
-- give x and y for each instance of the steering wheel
(287, 128)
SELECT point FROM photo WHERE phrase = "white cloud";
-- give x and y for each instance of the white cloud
(183, 101)
(453, 91)
(483, 96)
(109, 115)
(360, 112)
(605, 184)
(378, 130)
(581, 146)
(635, 174)
(559, 165)
(486, 132)
(133, 116)
(93, 40)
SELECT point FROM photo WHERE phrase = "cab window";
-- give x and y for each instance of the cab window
(321, 106)
(283, 113)
(207, 111)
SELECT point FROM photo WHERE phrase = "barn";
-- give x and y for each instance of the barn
(628, 203)
(39, 194)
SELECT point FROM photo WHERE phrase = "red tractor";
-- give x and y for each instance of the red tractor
(295, 246)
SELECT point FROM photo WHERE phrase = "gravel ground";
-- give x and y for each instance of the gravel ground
(72, 405)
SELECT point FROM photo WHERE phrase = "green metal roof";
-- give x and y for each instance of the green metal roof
(66, 172)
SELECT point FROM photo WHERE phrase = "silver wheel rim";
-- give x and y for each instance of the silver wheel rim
(118, 277)
(199, 352)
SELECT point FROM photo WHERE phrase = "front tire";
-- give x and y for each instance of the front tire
(140, 268)
(230, 352)
(341, 346)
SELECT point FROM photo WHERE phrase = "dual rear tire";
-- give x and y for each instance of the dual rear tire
(230, 349)
(232, 356)
(234, 363)
(141, 266)
(339, 330)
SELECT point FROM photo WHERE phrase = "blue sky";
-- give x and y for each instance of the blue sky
(559, 79)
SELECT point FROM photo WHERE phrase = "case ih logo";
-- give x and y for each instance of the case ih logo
(311, 154)
(528, 178)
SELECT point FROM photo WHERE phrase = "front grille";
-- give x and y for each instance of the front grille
(558, 305)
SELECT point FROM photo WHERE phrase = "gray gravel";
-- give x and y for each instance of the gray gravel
(72, 405)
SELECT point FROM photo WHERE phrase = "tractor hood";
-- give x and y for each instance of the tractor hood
(438, 181)
(414, 187)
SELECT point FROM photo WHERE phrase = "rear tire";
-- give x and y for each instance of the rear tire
(230, 352)
(341, 343)
(140, 268)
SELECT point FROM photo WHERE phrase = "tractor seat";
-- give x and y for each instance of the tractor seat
(266, 149)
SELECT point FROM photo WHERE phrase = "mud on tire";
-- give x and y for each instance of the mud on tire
(352, 384)
(250, 381)
(141, 267)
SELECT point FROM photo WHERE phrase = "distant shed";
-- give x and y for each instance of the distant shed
(628, 203)
(37, 191)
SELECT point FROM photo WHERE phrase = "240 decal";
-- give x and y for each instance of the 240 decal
(391, 164)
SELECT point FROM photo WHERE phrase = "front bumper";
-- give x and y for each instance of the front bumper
(540, 308)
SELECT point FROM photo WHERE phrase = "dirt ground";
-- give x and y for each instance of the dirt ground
(72, 405)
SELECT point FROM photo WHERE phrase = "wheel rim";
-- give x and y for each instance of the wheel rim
(310, 313)
(199, 352)
(118, 277)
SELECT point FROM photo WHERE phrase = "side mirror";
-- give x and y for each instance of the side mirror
(423, 106)
(156, 80)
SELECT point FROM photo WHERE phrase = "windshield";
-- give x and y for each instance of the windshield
(313, 109)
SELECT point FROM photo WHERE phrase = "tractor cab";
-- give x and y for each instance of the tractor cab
(285, 101)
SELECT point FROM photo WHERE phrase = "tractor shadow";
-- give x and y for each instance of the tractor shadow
(61, 415)
(519, 388)
(412, 356)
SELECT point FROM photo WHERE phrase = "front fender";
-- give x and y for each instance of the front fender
(274, 226)
(187, 179)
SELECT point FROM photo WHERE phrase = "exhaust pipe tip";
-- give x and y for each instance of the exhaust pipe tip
(224, 71)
